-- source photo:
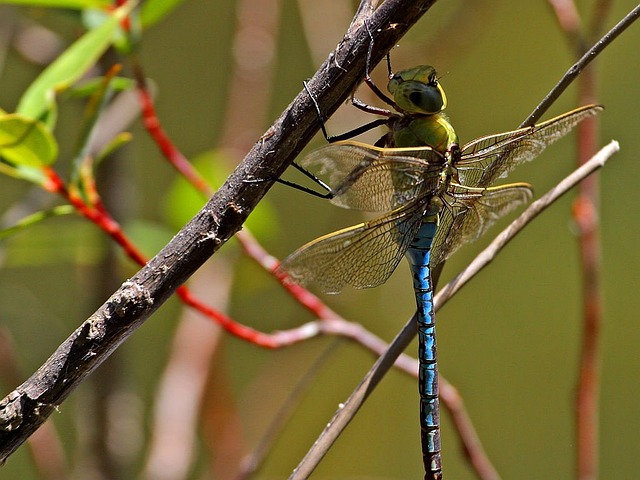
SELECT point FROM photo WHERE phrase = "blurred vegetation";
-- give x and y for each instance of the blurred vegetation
(221, 72)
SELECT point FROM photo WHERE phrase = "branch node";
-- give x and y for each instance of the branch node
(11, 411)
(132, 297)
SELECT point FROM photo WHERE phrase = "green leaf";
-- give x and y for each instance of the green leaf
(83, 163)
(72, 4)
(30, 174)
(116, 142)
(155, 10)
(36, 218)
(123, 41)
(88, 88)
(26, 142)
(70, 66)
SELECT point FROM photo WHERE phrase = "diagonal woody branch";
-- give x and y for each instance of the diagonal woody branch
(30, 404)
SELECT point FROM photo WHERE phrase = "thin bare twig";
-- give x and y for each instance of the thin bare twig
(357, 398)
(471, 444)
(252, 462)
(588, 390)
(575, 70)
(488, 254)
(351, 406)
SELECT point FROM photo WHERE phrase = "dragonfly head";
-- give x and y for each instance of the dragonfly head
(416, 90)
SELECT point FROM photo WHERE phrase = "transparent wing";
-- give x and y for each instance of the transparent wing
(361, 256)
(469, 212)
(364, 177)
(487, 158)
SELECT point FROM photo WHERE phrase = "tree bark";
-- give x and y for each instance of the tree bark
(30, 404)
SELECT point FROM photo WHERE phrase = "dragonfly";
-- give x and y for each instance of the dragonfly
(434, 195)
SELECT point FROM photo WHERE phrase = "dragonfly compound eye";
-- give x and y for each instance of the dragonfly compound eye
(417, 90)
(418, 97)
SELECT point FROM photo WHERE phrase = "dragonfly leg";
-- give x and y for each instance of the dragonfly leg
(356, 131)
(365, 107)
(389, 69)
(356, 102)
(318, 112)
(327, 194)
(359, 104)
(367, 74)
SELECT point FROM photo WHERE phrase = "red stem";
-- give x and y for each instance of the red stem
(171, 153)
(585, 213)
(99, 216)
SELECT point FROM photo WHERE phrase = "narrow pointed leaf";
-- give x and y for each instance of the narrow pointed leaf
(35, 218)
(69, 67)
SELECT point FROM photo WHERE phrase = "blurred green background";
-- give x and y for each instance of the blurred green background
(510, 341)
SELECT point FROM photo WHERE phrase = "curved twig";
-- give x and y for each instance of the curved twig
(577, 67)
(488, 254)
(357, 398)
(347, 411)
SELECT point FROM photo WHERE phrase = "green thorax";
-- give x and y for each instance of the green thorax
(420, 100)
(434, 131)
